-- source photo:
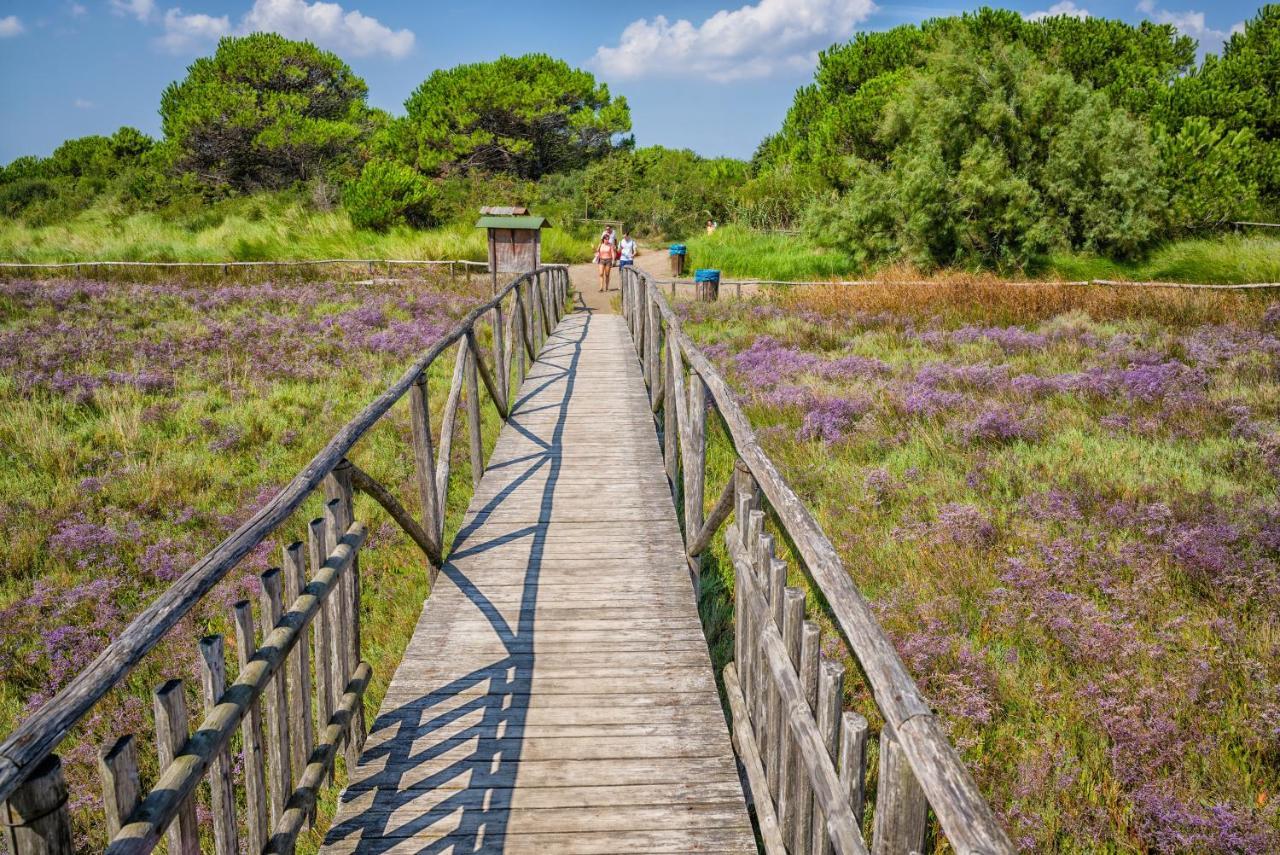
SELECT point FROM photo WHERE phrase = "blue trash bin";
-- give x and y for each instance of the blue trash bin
(707, 284)
(677, 253)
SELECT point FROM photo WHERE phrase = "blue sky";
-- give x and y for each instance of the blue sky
(712, 76)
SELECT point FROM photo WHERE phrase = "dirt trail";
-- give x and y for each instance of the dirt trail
(586, 279)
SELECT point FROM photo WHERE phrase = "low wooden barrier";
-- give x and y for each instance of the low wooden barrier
(804, 758)
(368, 265)
(305, 679)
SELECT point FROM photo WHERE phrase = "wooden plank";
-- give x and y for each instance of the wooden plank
(36, 819)
(255, 779)
(301, 727)
(901, 809)
(118, 768)
(172, 731)
(279, 773)
(222, 802)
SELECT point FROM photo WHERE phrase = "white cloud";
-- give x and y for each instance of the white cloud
(11, 26)
(140, 9)
(752, 41)
(183, 32)
(1065, 7)
(1189, 23)
(328, 25)
(82, 104)
(76, 10)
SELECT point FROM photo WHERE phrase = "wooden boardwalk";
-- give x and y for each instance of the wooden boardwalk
(557, 695)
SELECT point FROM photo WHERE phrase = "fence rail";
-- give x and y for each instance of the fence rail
(805, 761)
(738, 284)
(308, 695)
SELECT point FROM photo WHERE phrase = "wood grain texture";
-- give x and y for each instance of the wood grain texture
(118, 769)
(558, 686)
(222, 803)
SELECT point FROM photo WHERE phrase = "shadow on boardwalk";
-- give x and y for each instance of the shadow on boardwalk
(479, 783)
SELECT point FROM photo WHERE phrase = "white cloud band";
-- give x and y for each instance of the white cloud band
(751, 41)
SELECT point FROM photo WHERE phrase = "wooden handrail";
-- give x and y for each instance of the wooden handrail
(963, 813)
(36, 737)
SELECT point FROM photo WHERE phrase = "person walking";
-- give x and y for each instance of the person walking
(626, 251)
(606, 255)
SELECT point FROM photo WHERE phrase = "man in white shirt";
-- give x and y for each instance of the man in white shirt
(626, 250)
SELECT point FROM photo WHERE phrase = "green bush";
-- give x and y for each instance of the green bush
(994, 160)
(390, 194)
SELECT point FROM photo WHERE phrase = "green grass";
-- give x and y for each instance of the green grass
(111, 486)
(1088, 604)
(1228, 258)
(258, 228)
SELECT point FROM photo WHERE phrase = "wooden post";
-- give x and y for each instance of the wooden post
(118, 769)
(473, 421)
(776, 725)
(830, 699)
(790, 766)
(424, 462)
(170, 702)
(853, 761)
(518, 332)
(337, 485)
(444, 459)
(339, 620)
(802, 796)
(301, 730)
(255, 784)
(670, 428)
(901, 809)
(36, 820)
(213, 682)
(653, 344)
(321, 645)
(694, 457)
(280, 775)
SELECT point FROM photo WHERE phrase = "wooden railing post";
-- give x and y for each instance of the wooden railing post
(36, 820)
(652, 343)
(338, 486)
(279, 774)
(499, 360)
(255, 780)
(172, 731)
(222, 802)
(694, 458)
(473, 420)
(321, 645)
(901, 809)
(121, 789)
(424, 461)
(301, 728)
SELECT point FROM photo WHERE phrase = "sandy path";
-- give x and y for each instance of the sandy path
(586, 279)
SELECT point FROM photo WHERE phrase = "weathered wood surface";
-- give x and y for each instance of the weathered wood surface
(557, 695)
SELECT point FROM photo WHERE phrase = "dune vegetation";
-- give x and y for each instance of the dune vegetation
(1061, 502)
(142, 423)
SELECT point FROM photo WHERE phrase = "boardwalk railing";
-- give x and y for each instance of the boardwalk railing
(805, 760)
(310, 691)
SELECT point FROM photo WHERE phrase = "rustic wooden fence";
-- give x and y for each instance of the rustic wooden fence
(310, 690)
(367, 266)
(805, 759)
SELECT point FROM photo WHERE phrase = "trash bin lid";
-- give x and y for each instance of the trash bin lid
(706, 275)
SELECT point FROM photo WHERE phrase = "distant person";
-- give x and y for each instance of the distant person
(711, 226)
(606, 255)
(627, 251)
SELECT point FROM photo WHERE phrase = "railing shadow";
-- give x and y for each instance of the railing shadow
(456, 790)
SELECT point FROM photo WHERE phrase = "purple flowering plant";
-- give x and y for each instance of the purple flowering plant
(1068, 526)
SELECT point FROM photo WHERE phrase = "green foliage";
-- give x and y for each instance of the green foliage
(264, 112)
(995, 159)
(1240, 91)
(527, 116)
(655, 191)
(1208, 170)
(390, 194)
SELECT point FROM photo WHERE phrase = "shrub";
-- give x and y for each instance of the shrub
(390, 194)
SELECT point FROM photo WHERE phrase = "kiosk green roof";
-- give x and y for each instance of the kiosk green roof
(512, 222)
